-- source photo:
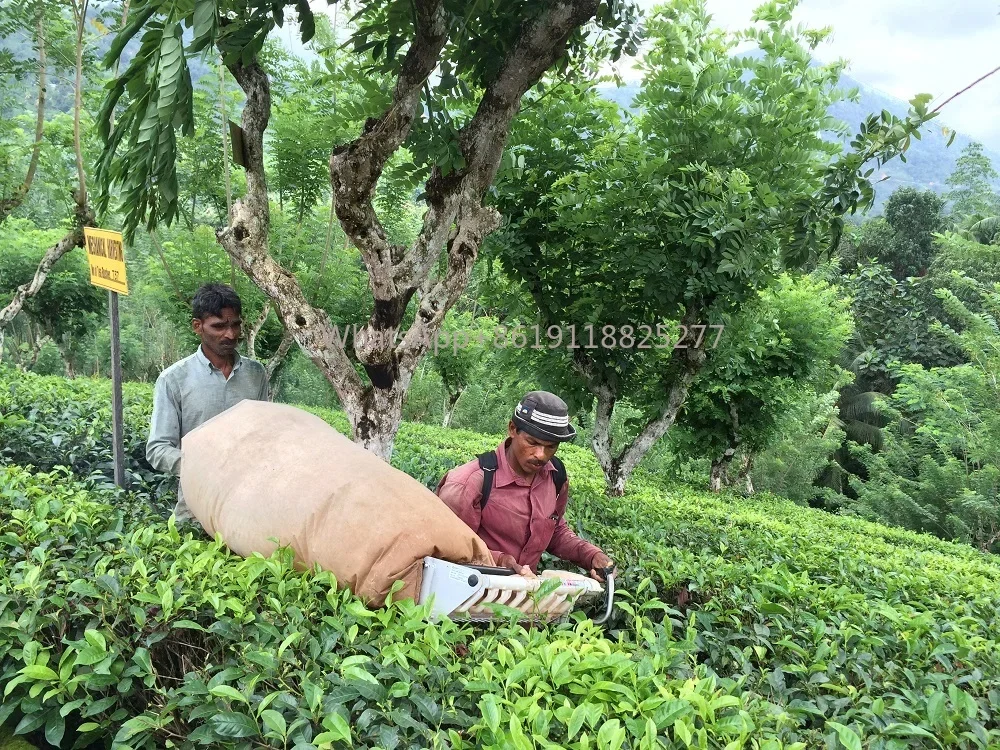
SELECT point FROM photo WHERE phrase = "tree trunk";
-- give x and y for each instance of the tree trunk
(618, 467)
(83, 216)
(81, 20)
(194, 196)
(10, 205)
(66, 354)
(451, 401)
(36, 349)
(455, 221)
(225, 158)
(718, 471)
(329, 237)
(746, 467)
(723, 462)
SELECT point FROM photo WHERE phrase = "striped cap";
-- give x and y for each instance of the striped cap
(545, 416)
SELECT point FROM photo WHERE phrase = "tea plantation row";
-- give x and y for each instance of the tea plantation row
(744, 623)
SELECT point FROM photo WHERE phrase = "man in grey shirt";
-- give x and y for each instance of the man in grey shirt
(204, 384)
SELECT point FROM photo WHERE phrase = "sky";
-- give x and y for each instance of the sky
(907, 47)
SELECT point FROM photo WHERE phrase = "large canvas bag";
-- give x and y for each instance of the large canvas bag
(262, 470)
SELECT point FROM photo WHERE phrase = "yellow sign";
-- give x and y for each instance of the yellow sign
(106, 254)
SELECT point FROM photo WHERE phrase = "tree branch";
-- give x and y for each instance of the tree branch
(246, 241)
(255, 330)
(166, 267)
(485, 136)
(658, 427)
(355, 169)
(959, 93)
(691, 360)
(286, 343)
(455, 214)
(26, 291)
(81, 195)
(438, 297)
(605, 390)
(618, 468)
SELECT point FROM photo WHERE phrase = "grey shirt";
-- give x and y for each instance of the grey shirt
(189, 393)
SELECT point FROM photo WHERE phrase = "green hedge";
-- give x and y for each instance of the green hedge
(745, 623)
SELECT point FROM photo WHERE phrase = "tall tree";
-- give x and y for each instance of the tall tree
(914, 216)
(785, 340)
(672, 220)
(83, 215)
(462, 345)
(498, 50)
(971, 183)
(939, 471)
(12, 202)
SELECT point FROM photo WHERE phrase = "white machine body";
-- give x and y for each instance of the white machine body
(466, 593)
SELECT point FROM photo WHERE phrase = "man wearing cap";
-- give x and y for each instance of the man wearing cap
(526, 499)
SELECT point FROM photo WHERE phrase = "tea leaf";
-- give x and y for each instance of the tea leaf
(848, 737)
(232, 724)
(491, 712)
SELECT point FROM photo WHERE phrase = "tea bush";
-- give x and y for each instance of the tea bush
(50, 421)
(743, 623)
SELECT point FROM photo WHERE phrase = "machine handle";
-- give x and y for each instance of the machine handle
(491, 571)
(609, 577)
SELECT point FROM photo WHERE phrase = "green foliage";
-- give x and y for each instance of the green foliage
(67, 307)
(971, 190)
(914, 217)
(312, 114)
(893, 323)
(150, 118)
(50, 422)
(970, 260)
(685, 210)
(463, 345)
(155, 90)
(20, 24)
(939, 470)
(904, 240)
(785, 341)
(809, 434)
(756, 622)
(200, 165)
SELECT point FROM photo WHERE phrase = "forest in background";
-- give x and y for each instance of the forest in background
(861, 380)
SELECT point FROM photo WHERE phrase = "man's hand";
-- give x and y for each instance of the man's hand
(506, 560)
(598, 564)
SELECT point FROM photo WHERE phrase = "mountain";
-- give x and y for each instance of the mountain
(929, 160)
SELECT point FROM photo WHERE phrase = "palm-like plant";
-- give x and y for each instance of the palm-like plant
(982, 229)
(859, 416)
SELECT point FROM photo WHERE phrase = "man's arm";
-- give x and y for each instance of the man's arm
(565, 544)
(163, 449)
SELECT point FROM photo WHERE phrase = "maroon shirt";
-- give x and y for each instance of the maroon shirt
(523, 517)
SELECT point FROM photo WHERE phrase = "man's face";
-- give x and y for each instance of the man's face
(529, 453)
(219, 334)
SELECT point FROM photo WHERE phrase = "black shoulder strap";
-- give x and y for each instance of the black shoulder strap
(559, 477)
(488, 463)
